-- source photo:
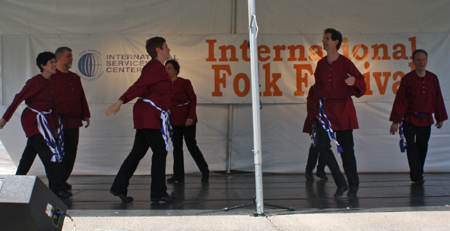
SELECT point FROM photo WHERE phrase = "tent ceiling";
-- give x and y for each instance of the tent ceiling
(19, 17)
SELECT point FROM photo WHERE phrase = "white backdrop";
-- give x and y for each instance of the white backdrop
(115, 32)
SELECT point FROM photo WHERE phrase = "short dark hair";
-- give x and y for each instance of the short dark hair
(43, 58)
(419, 51)
(335, 35)
(153, 43)
(61, 50)
(175, 64)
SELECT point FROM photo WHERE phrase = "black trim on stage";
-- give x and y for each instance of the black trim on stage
(377, 193)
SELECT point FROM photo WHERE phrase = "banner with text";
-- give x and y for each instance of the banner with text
(219, 68)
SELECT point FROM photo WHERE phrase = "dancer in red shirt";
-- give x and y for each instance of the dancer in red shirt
(72, 107)
(184, 119)
(337, 80)
(40, 120)
(153, 89)
(418, 97)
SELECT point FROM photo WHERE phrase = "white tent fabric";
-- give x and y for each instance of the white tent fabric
(6, 163)
(28, 27)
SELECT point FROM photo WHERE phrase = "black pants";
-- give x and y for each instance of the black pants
(313, 155)
(417, 139)
(345, 139)
(144, 139)
(37, 144)
(178, 161)
(27, 159)
(71, 137)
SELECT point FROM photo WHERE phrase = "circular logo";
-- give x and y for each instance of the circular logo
(90, 65)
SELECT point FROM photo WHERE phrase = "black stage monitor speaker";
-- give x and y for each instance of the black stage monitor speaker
(27, 204)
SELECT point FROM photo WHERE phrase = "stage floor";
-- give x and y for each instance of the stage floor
(377, 193)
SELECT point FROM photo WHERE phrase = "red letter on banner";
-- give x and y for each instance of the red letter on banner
(236, 89)
(302, 78)
(218, 80)
(211, 50)
(273, 83)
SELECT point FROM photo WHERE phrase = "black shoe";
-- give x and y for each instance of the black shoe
(174, 179)
(340, 191)
(309, 176)
(322, 175)
(67, 186)
(63, 194)
(123, 197)
(205, 176)
(419, 182)
(352, 191)
(166, 198)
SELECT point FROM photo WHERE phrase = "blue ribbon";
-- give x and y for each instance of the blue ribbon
(326, 124)
(166, 127)
(61, 136)
(314, 134)
(402, 143)
(45, 131)
(182, 104)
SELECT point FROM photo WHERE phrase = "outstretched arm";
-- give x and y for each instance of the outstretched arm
(113, 109)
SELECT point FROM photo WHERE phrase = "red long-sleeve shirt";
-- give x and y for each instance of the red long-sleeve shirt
(153, 84)
(40, 94)
(417, 98)
(182, 92)
(331, 86)
(71, 100)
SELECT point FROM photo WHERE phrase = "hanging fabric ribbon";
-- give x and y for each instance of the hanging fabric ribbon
(166, 127)
(326, 124)
(47, 134)
(314, 134)
(182, 104)
(61, 136)
(403, 144)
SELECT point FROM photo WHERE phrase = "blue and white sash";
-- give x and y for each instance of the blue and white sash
(61, 135)
(182, 104)
(314, 134)
(326, 124)
(166, 127)
(402, 143)
(45, 131)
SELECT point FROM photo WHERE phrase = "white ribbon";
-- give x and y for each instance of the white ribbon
(326, 124)
(45, 131)
(166, 123)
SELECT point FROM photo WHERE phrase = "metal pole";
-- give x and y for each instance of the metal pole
(229, 138)
(230, 106)
(253, 31)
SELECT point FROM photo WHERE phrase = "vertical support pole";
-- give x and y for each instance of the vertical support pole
(229, 137)
(253, 30)
(230, 106)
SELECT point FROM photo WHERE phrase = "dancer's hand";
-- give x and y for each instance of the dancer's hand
(88, 122)
(439, 124)
(113, 109)
(2, 123)
(350, 81)
(189, 122)
(394, 128)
